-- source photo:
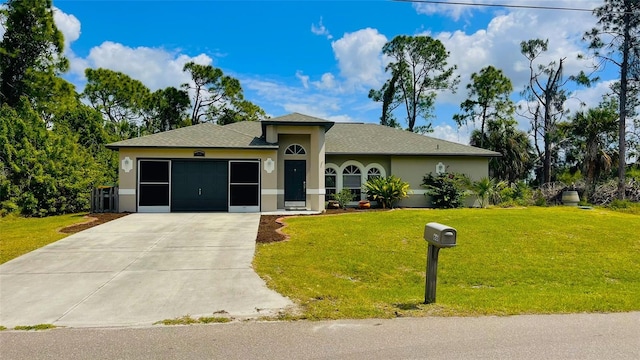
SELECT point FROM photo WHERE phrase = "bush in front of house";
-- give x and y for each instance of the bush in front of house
(343, 197)
(387, 191)
(447, 190)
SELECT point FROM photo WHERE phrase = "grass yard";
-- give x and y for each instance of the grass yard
(508, 261)
(20, 235)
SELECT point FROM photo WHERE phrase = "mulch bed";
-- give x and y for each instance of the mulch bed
(93, 219)
(267, 231)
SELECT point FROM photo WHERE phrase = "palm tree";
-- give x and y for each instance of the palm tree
(593, 134)
(502, 136)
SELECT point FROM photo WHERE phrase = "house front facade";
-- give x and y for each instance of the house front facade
(289, 162)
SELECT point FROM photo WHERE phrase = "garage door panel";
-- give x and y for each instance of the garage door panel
(199, 186)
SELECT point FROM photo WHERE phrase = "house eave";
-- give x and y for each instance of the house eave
(413, 154)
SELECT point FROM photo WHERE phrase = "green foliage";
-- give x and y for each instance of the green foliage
(188, 320)
(517, 152)
(569, 177)
(31, 50)
(183, 320)
(487, 190)
(634, 172)
(218, 97)
(343, 197)
(120, 99)
(516, 194)
(390, 99)
(625, 206)
(43, 172)
(35, 327)
(447, 190)
(591, 142)
(166, 109)
(488, 101)
(418, 71)
(386, 190)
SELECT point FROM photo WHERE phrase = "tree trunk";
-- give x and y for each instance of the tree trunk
(624, 68)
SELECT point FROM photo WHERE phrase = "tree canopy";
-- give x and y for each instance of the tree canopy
(419, 71)
(30, 52)
(218, 97)
(488, 101)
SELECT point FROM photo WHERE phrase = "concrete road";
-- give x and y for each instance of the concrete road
(137, 270)
(580, 336)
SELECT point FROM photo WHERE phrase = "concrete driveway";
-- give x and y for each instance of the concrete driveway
(137, 270)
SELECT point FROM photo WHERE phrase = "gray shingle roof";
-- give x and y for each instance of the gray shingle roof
(198, 136)
(297, 119)
(342, 138)
(370, 139)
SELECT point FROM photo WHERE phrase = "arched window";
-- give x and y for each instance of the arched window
(352, 180)
(295, 149)
(373, 173)
(330, 182)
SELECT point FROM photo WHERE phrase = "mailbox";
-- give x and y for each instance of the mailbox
(439, 235)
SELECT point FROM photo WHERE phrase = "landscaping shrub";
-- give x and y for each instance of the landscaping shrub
(447, 190)
(517, 194)
(343, 197)
(386, 190)
(488, 191)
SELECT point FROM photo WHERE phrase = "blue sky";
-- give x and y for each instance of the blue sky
(316, 57)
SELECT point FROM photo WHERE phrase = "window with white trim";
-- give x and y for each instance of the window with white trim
(374, 172)
(330, 182)
(352, 180)
(295, 149)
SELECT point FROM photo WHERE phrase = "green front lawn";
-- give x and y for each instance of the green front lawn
(508, 261)
(20, 235)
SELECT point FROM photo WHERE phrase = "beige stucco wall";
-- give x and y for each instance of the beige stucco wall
(128, 180)
(413, 168)
(311, 138)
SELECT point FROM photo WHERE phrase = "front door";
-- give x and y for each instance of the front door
(295, 180)
(199, 185)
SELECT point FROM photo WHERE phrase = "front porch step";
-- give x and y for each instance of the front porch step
(296, 208)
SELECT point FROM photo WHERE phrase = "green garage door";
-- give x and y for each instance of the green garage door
(199, 185)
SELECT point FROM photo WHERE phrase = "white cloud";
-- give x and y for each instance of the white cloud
(456, 11)
(499, 45)
(321, 30)
(155, 67)
(303, 78)
(360, 58)
(327, 82)
(68, 25)
(298, 99)
(449, 133)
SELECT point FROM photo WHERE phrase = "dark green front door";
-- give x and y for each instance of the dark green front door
(295, 177)
(199, 185)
